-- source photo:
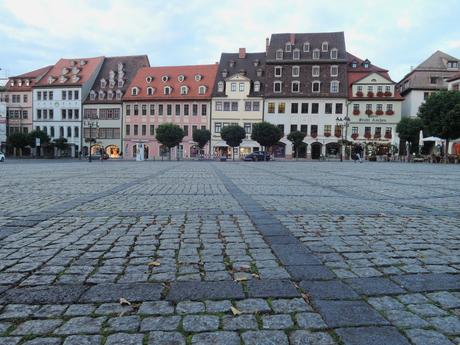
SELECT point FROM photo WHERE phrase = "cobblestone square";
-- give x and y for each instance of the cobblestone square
(229, 253)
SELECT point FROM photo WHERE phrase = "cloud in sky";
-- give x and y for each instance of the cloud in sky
(393, 34)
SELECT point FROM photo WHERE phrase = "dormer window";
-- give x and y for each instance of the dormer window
(452, 64)
(120, 67)
(82, 62)
(334, 53)
(167, 90)
(62, 79)
(12, 82)
(366, 63)
(306, 47)
(19, 82)
(259, 72)
(149, 79)
(279, 54)
(256, 62)
(50, 80)
(198, 77)
(121, 82)
(224, 73)
(27, 82)
(101, 95)
(134, 91)
(257, 86)
(119, 94)
(181, 78)
(75, 70)
(288, 47)
(164, 78)
(92, 95)
(316, 54)
(324, 46)
(183, 90)
(150, 91)
(75, 78)
(110, 95)
(112, 84)
(354, 64)
(202, 90)
(220, 86)
(296, 54)
(64, 71)
(103, 83)
(231, 63)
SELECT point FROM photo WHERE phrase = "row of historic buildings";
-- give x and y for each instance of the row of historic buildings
(302, 82)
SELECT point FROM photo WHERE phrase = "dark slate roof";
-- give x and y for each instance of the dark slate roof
(246, 65)
(131, 64)
(334, 39)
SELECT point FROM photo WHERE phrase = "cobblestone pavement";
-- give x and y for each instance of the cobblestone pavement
(316, 253)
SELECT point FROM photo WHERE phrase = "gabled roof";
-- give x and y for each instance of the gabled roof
(205, 73)
(32, 77)
(130, 66)
(334, 40)
(438, 60)
(79, 71)
(231, 64)
(355, 74)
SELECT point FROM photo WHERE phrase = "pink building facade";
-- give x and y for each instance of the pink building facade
(158, 95)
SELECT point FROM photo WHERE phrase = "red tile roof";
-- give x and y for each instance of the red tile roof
(84, 71)
(361, 72)
(33, 77)
(207, 73)
(454, 77)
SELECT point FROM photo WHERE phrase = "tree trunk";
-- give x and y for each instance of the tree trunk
(446, 152)
(169, 153)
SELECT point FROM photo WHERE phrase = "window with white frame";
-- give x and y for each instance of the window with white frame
(295, 71)
(167, 90)
(247, 106)
(134, 91)
(150, 91)
(296, 54)
(241, 87)
(279, 54)
(306, 47)
(388, 88)
(198, 77)
(183, 90)
(316, 86)
(218, 106)
(334, 53)
(148, 79)
(181, 78)
(257, 86)
(103, 83)
(277, 87)
(220, 86)
(164, 78)
(217, 127)
(315, 70)
(325, 46)
(370, 88)
(389, 107)
(295, 86)
(278, 71)
(334, 86)
(334, 71)
(233, 87)
(202, 90)
(288, 47)
(316, 54)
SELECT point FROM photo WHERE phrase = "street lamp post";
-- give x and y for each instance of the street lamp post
(91, 124)
(341, 123)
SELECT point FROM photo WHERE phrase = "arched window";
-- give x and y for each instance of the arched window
(134, 91)
(167, 90)
(150, 91)
(325, 46)
(164, 78)
(183, 90)
(149, 79)
(75, 132)
(69, 132)
(202, 90)
(198, 77)
(220, 86)
(181, 78)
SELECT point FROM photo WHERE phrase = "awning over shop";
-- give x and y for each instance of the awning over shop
(249, 143)
(220, 143)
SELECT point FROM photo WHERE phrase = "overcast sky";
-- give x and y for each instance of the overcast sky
(392, 34)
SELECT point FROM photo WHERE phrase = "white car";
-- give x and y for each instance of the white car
(2, 156)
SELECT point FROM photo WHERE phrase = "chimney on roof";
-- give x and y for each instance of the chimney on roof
(267, 44)
(292, 38)
(242, 53)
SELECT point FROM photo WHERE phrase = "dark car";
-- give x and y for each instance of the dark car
(257, 156)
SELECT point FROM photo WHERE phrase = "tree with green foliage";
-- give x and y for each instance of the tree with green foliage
(409, 130)
(44, 138)
(61, 144)
(441, 115)
(296, 138)
(233, 135)
(266, 134)
(18, 141)
(170, 135)
(201, 137)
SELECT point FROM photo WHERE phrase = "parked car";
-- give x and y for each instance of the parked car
(257, 156)
(2, 156)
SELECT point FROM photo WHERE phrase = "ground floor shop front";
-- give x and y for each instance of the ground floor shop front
(152, 149)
